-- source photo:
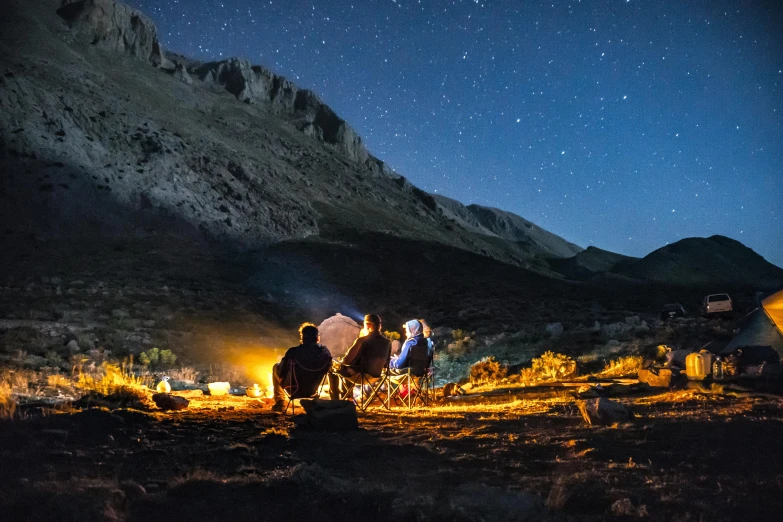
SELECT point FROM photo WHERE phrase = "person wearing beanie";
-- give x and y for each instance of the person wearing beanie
(368, 355)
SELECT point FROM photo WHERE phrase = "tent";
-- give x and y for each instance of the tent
(761, 336)
(338, 333)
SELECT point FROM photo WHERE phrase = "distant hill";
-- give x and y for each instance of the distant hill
(588, 263)
(704, 261)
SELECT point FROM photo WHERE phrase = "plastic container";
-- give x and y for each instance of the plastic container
(219, 388)
(717, 369)
(698, 366)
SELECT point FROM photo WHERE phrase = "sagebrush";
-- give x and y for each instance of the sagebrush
(487, 371)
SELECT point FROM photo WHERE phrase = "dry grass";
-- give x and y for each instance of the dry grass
(7, 401)
(116, 381)
(622, 367)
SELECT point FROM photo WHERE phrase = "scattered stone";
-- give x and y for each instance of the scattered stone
(603, 412)
(624, 507)
(72, 346)
(166, 401)
(328, 415)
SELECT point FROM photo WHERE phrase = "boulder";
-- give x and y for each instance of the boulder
(114, 26)
(603, 412)
(555, 330)
(329, 415)
(657, 377)
(338, 333)
(166, 401)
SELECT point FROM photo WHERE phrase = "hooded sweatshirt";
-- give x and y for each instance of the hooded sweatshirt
(416, 337)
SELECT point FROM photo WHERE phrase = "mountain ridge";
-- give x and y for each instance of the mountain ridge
(122, 121)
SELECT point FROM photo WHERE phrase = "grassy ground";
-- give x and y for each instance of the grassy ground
(688, 456)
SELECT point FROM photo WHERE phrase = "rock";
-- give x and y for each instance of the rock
(330, 415)
(555, 330)
(338, 333)
(256, 84)
(166, 401)
(72, 346)
(603, 412)
(181, 73)
(114, 26)
(452, 389)
(657, 377)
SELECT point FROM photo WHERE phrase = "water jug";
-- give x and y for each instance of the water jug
(717, 369)
(698, 365)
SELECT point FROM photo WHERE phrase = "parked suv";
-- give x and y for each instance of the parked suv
(670, 311)
(717, 304)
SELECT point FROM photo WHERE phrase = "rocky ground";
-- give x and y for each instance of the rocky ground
(687, 456)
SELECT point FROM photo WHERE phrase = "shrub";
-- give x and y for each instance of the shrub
(458, 335)
(487, 371)
(167, 358)
(392, 335)
(550, 366)
(157, 358)
(623, 366)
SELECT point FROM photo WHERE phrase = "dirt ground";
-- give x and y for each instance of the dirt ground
(687, 456)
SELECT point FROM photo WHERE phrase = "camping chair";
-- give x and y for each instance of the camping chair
(371, 387)
(413, 384)
(304, 383)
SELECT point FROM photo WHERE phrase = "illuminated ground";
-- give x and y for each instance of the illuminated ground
(689, 456)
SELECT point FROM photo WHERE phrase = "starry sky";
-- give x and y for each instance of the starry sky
(623, 124)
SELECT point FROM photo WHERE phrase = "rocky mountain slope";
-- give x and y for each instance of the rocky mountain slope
(104, 134)
(493, 222)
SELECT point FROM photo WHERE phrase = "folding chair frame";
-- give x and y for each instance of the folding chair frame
(292, 395)
(374, 383)
(419, 387)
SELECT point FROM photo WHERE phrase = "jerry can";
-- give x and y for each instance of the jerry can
(698, 365)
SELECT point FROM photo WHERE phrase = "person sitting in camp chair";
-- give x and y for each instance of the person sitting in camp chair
(310, 357)
(416, 348)
(410, 370)
(366, 359)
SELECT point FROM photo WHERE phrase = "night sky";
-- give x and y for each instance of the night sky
(623, 124)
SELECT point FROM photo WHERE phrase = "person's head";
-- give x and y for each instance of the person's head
(372, 323)
(308, 334)
(412, 328)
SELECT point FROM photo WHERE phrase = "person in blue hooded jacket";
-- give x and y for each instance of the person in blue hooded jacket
(414, 335)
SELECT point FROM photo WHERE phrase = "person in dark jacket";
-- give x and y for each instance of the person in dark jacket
(415, 335)
(310, 355)
(368, 355)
